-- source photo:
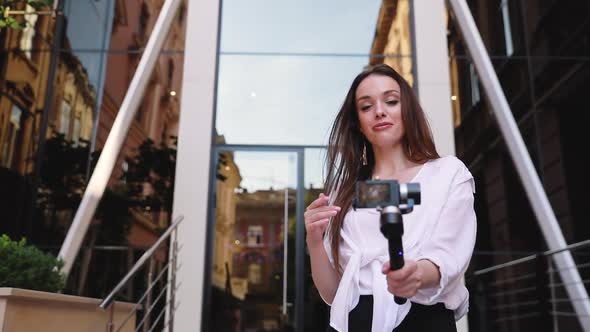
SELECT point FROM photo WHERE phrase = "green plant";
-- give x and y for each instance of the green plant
(24, 266)
(7, 14)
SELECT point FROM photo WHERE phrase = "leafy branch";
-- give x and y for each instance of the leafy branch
(9, 16)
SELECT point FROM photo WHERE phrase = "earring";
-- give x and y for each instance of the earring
(364, 159)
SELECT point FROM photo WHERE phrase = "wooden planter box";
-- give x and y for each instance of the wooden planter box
(24, 310)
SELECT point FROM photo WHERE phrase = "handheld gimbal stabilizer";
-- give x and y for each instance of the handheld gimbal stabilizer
(392, 199)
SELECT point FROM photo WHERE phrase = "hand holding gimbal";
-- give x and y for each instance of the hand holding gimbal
(392, 199)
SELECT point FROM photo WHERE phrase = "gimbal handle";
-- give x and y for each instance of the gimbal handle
(392, 228)
(396, 260)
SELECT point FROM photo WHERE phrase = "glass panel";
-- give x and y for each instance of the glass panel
(281, 100)
(284, 73)
(314, 168)
(89, 28)
(392, 43)
(304, 26)
(256, 199)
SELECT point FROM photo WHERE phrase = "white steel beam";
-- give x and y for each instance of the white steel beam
(522, 160)
(193, 161)
(117, 135)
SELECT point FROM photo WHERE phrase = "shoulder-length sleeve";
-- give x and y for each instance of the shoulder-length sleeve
(452, 240)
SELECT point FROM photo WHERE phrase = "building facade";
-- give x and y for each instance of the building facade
(26, 64)
(65, 100)
(539, 54)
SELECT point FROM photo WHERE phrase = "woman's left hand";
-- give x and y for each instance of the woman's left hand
(404, 282)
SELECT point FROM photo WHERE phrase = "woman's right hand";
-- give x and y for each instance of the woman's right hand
(317, 217)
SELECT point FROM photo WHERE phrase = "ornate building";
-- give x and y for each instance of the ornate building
(24, 80)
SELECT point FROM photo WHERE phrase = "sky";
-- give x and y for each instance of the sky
(89, 28)
(283, 96)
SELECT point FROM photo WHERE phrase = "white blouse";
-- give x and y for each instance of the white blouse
(441, 229)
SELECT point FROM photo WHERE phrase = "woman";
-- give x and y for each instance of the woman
(381, 133)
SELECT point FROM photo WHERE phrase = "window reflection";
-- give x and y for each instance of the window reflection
(57, 108)
(281, 100)
(255, 273)
(28, 34)
(255, 192)
(64, 123)
(392, 44)
(272, 90)
(254, 235)
(304, 26)
(12, 132)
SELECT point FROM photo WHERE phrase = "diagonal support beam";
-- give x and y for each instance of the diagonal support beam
(117, 135)
(522, 160)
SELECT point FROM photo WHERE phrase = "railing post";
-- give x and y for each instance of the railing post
(110, 324)
(172, 284)
(481, 303)
(552, 290)
(170, 235)
(542, 285)
(148, 301)
(130, 260)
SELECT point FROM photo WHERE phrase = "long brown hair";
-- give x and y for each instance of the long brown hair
(345, 147)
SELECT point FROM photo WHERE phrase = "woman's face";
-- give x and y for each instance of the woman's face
(378, 104)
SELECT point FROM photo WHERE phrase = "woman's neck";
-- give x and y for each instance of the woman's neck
(390, 162)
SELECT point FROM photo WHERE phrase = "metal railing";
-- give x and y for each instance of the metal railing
(112, 262)
(150, 310)
(527, 293)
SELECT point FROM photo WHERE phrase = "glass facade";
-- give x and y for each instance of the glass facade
(282, 84)
(63, 78)
(284, 70)
(281, 99)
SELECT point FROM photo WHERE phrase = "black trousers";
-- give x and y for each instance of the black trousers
(421, 318)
